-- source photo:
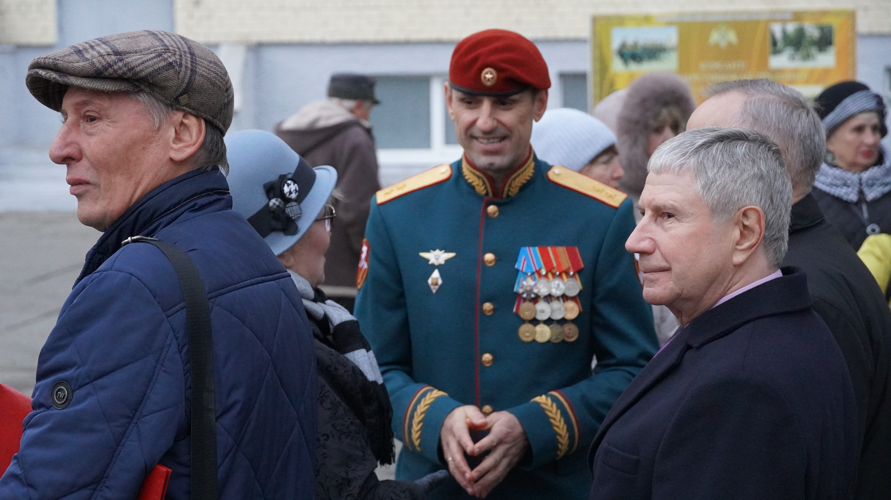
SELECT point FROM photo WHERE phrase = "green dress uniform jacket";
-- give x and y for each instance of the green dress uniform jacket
(460, 345)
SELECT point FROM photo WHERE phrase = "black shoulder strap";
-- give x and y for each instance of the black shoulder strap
(204, 440)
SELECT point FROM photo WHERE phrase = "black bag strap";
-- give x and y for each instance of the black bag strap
(204, 430)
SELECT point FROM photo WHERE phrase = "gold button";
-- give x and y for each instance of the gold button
(487, 410)
(488, 308)
(488, 359)
(489, 259)
(492, 211)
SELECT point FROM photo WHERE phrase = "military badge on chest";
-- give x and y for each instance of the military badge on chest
(436, 258)
(547, 288)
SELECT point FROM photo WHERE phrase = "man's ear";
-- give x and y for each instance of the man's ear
(188, 135)
(748, 232)
(540, 103)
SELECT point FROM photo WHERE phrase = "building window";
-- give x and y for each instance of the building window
(411, 126)
(402, 119)
(575, 90)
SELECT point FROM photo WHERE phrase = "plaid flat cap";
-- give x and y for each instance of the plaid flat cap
(177, 70)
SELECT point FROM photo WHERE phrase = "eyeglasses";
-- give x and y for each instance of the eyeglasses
(328, 214)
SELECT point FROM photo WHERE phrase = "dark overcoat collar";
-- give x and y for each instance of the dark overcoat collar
(805, 213)
(779, 296)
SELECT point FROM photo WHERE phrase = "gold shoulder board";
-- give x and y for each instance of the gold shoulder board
(587, 186)
(426, 178)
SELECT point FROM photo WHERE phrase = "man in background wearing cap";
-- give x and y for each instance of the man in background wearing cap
(488, 285)
(144, 115)
(336, 132)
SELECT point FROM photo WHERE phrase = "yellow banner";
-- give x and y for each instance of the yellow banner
(806, 50)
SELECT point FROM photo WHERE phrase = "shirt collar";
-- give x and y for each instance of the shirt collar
(774, 275)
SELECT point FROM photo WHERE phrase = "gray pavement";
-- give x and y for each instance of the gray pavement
(41, 254)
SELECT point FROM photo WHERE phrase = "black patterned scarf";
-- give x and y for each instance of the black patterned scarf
(351, 368)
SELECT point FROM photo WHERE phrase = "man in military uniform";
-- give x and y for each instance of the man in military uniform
(488, 285)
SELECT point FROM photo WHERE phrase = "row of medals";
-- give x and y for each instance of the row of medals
(543, 310)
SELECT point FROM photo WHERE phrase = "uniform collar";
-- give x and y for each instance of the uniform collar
(482, 183)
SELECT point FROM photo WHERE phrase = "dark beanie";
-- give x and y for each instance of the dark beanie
(832, 97)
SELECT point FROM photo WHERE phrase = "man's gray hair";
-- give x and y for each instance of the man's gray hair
(734, 168)
(784, 115)
(213, 149)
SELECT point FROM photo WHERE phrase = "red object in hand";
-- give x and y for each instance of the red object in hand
(14, 407)
(155, 485)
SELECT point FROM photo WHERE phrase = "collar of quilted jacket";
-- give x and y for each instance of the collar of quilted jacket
(156, 210)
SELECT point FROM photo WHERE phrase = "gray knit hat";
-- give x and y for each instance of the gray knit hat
(570, 138)
(173, 68)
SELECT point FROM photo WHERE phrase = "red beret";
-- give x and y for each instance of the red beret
(497, 62)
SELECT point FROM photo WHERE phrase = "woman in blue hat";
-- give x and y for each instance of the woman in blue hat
(286, 201)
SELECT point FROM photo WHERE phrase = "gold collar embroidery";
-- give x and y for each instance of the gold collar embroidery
(483, 184)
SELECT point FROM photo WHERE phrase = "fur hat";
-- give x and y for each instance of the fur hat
(646, 98)
(570, 138)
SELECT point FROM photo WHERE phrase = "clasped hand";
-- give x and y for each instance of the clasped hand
(506, 444)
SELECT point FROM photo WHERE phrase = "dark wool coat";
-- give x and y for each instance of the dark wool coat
(850, 302)
(751, 399)
(843, 215)
(354, 433)
(121, 343)
(349, 148)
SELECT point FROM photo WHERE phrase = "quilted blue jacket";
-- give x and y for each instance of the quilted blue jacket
(121, 344)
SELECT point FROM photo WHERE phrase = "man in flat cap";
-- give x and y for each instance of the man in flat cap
(488, 285)
(336, 132)
(143, 118)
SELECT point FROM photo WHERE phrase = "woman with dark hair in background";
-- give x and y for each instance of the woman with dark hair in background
(854, 183)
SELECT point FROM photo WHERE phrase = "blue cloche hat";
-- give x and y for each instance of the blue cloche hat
(274, 188)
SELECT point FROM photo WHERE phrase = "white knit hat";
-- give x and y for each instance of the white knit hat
(570, 138)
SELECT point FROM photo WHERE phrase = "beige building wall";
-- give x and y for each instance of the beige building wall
(397, 21)
(27, 22)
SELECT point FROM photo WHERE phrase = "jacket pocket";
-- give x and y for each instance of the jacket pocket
(617, 459)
